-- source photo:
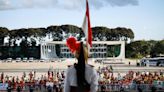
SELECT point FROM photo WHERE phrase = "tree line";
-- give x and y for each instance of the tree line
(99, 33)
(28, 36)
(142, 48)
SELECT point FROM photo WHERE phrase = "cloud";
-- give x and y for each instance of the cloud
(21, 4)
(4, 4)
(122, 2)
(39, 3)
(65, 4)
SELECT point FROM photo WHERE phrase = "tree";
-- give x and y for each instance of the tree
(3, 33)
(71, 30)
(123, 33)
(56, 32)
(24, 47)
(12, 37)
(158, 49)
(36, 32)
(138, 49)
(33, 42)
(115, 34)
(100, 32)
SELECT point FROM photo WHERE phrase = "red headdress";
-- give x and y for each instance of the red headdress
(73, 44)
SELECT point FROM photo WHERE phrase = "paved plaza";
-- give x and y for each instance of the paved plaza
(17, 68)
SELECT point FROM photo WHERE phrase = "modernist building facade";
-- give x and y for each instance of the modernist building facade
(100, 49)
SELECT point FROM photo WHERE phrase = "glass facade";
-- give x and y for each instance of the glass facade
(107, 49)
(97, 51)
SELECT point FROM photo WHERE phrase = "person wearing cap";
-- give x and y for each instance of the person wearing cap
(80, 77)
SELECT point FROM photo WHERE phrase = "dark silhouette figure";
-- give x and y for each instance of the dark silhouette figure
(49, 88)
(31, 88)
(139, 88)
(9, 88)
(18, 89)
(153, 89)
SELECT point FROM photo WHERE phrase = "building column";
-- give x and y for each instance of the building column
(41, 51)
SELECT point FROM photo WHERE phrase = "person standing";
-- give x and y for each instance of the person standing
(19, 88)
(31, 88)
(129, 63)
(2, 76)
(9, 88)
(80, 77)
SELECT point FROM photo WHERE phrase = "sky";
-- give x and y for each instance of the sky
(144, 17)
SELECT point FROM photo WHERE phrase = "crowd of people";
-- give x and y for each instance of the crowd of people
(49, 81)
(54, 80)
(107, 77)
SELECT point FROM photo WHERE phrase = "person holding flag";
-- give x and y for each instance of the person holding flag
(81, 77)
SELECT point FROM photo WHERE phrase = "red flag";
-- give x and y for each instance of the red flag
(87, 26)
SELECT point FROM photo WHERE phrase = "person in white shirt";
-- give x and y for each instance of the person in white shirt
(80, 77)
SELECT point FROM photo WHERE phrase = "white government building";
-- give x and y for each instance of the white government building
(58, 49)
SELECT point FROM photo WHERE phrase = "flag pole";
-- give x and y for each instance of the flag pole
(87, 28)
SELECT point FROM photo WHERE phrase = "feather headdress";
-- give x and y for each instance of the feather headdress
(73, 44)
